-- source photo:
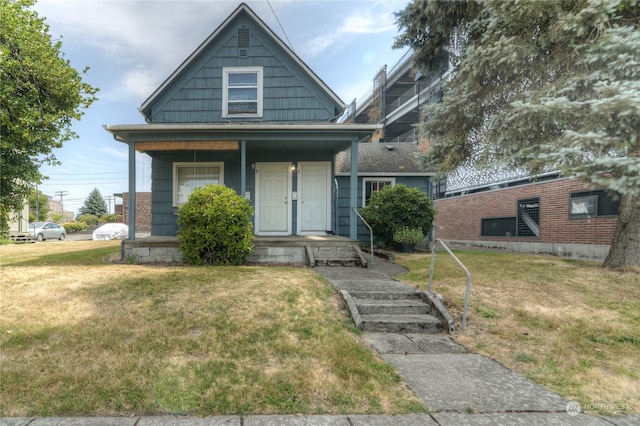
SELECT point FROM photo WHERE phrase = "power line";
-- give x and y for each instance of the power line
(281, 27)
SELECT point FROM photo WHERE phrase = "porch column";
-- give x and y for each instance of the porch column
(132, 191)
(353, 218)
(243, 168)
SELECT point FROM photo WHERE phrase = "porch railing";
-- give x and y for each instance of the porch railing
(466, 271)
(370, 231)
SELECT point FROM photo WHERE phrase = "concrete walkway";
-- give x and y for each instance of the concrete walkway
(457, 387)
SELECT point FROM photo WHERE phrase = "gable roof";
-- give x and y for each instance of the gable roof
(383, 159)
(241, 9)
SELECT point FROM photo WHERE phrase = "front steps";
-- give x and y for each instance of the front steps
(335, 254)
(393, 312)
(307, 250)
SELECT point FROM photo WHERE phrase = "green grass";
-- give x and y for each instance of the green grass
(569, 325)
(79, 336)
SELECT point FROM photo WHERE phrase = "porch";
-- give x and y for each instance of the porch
(330, 250)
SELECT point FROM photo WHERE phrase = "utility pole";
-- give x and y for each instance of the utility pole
(61, 194)
(109, 198)
(37, 204)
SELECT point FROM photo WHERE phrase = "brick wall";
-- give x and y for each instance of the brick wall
(460, 217)
(143, 210)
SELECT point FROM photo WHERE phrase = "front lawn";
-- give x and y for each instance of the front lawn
(81, 336)
(568, 325)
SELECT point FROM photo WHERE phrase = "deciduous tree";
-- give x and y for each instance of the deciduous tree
(539, 85)
(40, 96)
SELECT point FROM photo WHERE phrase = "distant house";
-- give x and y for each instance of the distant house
(245, 111)
(379, 165)
(18, 222)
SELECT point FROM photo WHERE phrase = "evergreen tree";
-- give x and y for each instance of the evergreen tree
(41, 95)
(538, 85)
(94, 204)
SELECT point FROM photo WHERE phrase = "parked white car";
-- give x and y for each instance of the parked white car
(111, 231)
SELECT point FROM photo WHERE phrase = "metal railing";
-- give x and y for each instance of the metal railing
(466, 271)
(370, 231)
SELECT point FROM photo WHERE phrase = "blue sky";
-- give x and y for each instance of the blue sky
(131, 47)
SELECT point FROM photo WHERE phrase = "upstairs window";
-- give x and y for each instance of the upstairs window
(242, 92)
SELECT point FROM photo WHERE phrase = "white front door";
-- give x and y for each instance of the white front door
(273, 207)
(314, 198)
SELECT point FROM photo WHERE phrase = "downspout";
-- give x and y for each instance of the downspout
(353, 191)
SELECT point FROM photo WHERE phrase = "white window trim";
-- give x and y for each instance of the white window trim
(392, 181)
(225, 90)
(176, 165)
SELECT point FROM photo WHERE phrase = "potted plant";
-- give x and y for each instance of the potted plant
(408, 238)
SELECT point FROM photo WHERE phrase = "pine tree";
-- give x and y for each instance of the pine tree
(94, 204)
(538, 85)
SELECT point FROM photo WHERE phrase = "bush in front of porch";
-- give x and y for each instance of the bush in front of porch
(215, 227)
(397, 207)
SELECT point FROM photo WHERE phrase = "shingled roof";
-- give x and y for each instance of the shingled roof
(380, 159)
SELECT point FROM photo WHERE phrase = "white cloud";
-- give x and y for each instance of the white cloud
(119, 153)
(364, 18)
(139, 83)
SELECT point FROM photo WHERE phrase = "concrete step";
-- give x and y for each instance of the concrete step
(335, 255)
(392, 307)
(401, 323)
(387, 295)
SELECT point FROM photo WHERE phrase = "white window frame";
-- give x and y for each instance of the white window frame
(178, 165)
(226, 71)
(365, 181)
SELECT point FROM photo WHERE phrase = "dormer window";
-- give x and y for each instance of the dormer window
(242, 92)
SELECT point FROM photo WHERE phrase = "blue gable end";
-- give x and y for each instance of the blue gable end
(289, 93)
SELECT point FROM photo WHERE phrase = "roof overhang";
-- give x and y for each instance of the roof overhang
(164, 137)
(388, 174)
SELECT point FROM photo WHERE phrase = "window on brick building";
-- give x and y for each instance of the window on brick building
(593, 203)
(528, 218)
(498, 227)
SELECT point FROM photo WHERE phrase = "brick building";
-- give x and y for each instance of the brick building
(143, 210)
(564, 217)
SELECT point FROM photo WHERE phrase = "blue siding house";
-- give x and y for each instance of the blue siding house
(243, 110)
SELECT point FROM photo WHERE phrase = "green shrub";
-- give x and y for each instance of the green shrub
(111, 218)
(75, 226)
(89, 219)
(396, 207)
(406, 235)
(215, 227)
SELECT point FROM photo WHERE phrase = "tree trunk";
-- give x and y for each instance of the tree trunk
(625, 247)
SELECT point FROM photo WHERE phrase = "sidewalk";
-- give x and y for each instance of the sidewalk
(457, 387)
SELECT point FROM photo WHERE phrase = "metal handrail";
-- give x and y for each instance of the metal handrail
(466, 271)
(370, 231)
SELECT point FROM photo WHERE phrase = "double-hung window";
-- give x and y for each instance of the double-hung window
(189, 176)
(371, 185)
(242, 92)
